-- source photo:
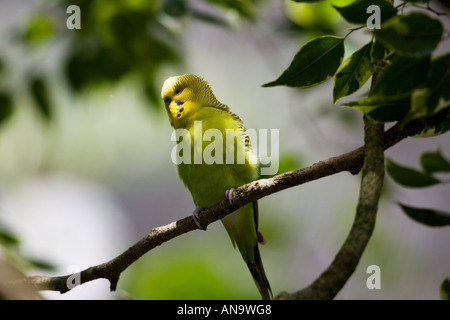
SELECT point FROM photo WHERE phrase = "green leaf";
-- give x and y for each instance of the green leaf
(445, 289)
(39, 29)
(409, 177)
(6, 106)
(41, 264)
(389, 98)
(401, 77)
(356, 12)
(378, 51)
(243, 8)
(175, 8)
(7, 238)
(353, 73)
(429, 217)
(179, 8)
(40, 94)
(374, 102)
(435, 130)
(415, 34)
(435, 94)
(381, 108)
(314, 63)
(434, 162)
(387, 113)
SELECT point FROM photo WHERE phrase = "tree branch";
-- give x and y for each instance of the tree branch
(111, 270)
(331, 281)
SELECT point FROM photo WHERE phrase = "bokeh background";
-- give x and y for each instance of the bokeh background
(85, 167)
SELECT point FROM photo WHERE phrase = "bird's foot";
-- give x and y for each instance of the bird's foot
(229, 194)
(196, 218)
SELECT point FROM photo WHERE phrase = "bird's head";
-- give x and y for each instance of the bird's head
(184, 95)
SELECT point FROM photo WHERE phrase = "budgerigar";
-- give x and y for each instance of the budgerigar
(190, 102)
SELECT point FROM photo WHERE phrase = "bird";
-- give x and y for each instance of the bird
(190, 101)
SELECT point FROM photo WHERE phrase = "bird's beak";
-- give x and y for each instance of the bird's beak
(167, 102)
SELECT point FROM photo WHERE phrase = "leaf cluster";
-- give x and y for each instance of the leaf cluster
(408, 82)
(432, 163)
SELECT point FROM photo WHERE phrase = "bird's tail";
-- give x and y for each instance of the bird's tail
(259, 276)
(242, 227)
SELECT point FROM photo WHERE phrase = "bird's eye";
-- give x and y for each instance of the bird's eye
(167, 100)
(177, 92)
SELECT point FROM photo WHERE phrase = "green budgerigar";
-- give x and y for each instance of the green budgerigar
(192, 107)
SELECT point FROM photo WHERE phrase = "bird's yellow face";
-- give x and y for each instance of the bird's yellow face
(179, 99)
(184, 96)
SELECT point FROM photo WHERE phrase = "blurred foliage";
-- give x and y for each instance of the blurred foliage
(40, 94)
(7, 238)
(10, 249)
(410, 177)
(195, 269)
(39, 29)
(196, 277)
(315, 16)
(432, 163)
(117, 39)
(289, 161)
(445, 289)
(356, 11)
(6, 106)
(133, 39)
(429, 217)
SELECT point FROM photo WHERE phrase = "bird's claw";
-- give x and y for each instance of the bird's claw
(229, 194)
(196, 218)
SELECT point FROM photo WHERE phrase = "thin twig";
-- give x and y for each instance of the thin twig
(429, 8)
